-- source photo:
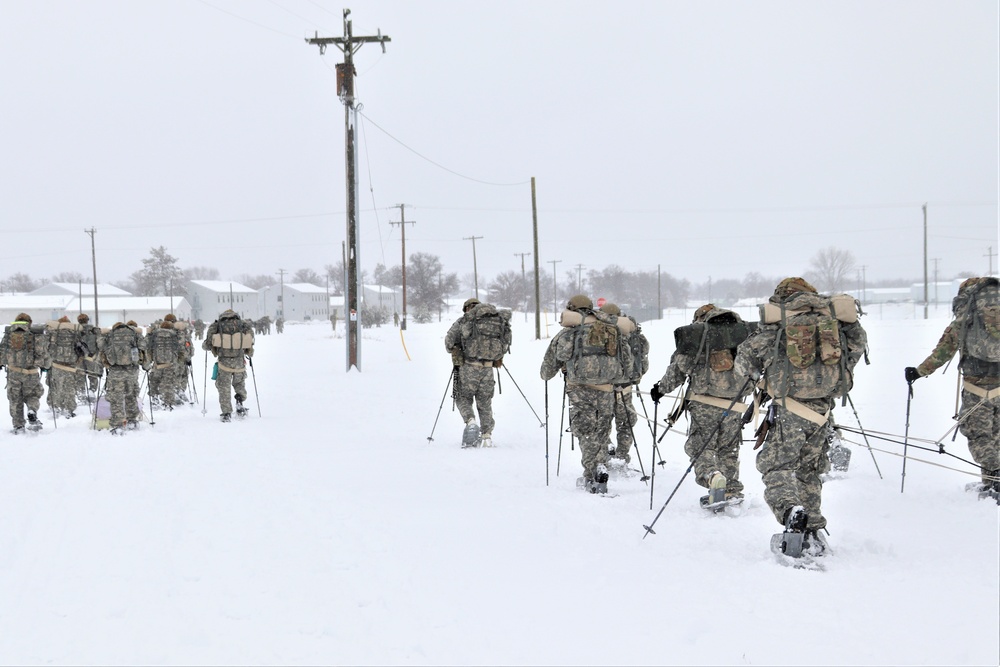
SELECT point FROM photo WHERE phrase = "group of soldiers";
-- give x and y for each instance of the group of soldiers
(74, 357)
(788, 369)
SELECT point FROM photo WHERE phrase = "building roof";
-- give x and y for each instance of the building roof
(36, 301)
(380, 288)
(103, 289)
(306, 287)
(223, 286)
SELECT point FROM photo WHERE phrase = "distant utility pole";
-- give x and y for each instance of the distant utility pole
(991, 255)
(524, 282)
(935, 260)
(555, 286)
(348, 45)
(402, 226)
(281, 296)
(475, 270)
(864, 283)
(93, 260)
(579, 278)
(659, 300)
(538, 287)
(925, 262)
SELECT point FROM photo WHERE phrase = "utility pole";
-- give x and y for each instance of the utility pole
(524, 282)
(925, 262)
(935, 260)
(990, 254)
(864, 283)
(402, 226)
(93, 260)
(281, 296)
(579, 278)
(659, 300)
(555, 288)
(348, 45)
(538, 288)
(475, 270)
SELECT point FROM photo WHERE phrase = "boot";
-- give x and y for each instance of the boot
(716, 487)
(226, 416)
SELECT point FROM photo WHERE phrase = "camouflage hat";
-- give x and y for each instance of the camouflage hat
(469, 303)
(580, 302)
(83, 317)
(23, 317)
(790, 286)
(611, 309)
(703, 311)
(64, 319)
(131, 323)
(969, 282)
(169, 317)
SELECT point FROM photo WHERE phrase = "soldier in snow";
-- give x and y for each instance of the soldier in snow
(625, 414)
(24, 352)
(230, 340)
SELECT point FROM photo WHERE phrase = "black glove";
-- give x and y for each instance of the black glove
(655, 393)
(188, 362)
(911, 374)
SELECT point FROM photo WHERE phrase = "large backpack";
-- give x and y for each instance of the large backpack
(978, 311)
(233, 336)
(715, 339)
(121, 346)
(21, 345)
(486, 333)
(166, 345)
(600, 355)
(639, 347)
(811, 352)
(63, 339)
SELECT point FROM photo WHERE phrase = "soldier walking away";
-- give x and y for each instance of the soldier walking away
(395, 320)
(182, 368)
(333, 320)
(88, 377)
(123, 351)
(64, 349)
(703, 357)
(477, 342)
(23, 351)
(279, 324)
(805, 352)
(625, 415)
(975, 334)
(593, 357)
(230, 340)
(165, 348)
(199, 329)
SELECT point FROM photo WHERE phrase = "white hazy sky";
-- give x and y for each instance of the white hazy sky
(712, 139)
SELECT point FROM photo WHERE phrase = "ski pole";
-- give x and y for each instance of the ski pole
(540, 422)
(253, 374)
(546, 433)
(204, 394)
(620, 399)
(194, 385)
(562, 416)
(440, 407)
(906, 433)
(657, 457)
(98, 394)
(145, 379)
(864, 435)
(704, 446)
(656, 451)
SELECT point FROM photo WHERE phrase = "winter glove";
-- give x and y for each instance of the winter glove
(911, 374)
(249, 352)
(655, 393)
(498, 363)
(457, 358)
(188, 362)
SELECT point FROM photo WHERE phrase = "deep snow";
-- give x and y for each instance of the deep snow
(331, 530)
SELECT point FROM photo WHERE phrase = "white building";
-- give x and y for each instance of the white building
(209, 298)
(296, 302)
(41, 308)
(78, 289)
(143, 309)
(380, 296)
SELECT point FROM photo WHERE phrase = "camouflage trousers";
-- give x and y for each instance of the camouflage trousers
(62, 389)
(163, 384)
(88, 378)
(181, 380)
(476, 382)
(717, 435)
(590, 415)
(226, 382)
(122, 392)
(625, 421)
(792, 459)
(23, 389)
(980, 424)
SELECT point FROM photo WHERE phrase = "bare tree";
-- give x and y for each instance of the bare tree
(258, 281)
(19, 282)
(201, 273)
(308, 276)
(69, 277)
(831, 269)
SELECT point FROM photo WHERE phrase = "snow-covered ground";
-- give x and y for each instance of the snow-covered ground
(331, 530)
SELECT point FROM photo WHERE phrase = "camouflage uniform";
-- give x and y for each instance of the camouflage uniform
(24, 386)
(279, 324)
(183, 364)
(794, 454)
(61, 378)
(232, 374)
(714, 431)
(90, 370)
(979, 417)
(475, 378)
(199, 329)
(165, 349)
(121, 388)
(625, 416)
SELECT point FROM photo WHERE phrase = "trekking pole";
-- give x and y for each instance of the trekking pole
(546, 433)
(440, 407)
(97, 399)
(562, 416)
(540, 422)
(204, 394)
(499, 388)
(864, 435)
(906, 433)
(253, 374)
(704, 446)
(145, 379)
(194, 385)
(657, 457)
(620, 398)
(656, 449)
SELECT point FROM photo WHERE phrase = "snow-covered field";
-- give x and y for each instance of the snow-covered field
(330, 530)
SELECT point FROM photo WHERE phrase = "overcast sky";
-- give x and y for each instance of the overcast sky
(709, 138)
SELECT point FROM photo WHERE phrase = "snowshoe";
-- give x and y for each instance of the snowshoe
(984, 490)
(486, 440)
(792, 542)
(716, 488)
(33, 422)
(226, 417)
(840, 456)
(471, 436)
(592, 486)
(720, 506)
(17, 430)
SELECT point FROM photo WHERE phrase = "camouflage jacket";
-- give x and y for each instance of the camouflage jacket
(722, 383)
(945, 349)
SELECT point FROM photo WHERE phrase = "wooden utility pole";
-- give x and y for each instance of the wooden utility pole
(991, 255)
(281, 297)
(402, 226)
(555, 288)
(475, 270)
(93, 260)
(925, 261)
(579, 278)
(538, 289)
(659, 295)
(524, 282)
(348, 45)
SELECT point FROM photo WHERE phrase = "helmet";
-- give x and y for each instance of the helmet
(23, 317)
(702, 311)
(83, 318)
(790, 286)
(64, 319)
(169, 317)
(469, 303)
(580, 302)
(611, 309)
(228, 314)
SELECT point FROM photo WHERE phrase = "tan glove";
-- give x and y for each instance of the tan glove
(498, 363)
(457, 358)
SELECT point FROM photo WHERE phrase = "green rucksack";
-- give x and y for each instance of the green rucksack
(486, 333)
